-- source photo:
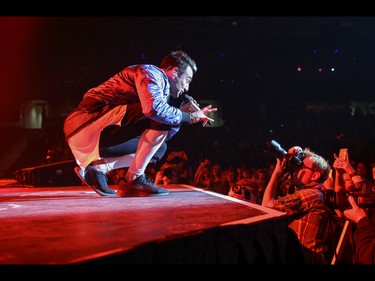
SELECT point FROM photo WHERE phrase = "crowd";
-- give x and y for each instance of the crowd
(248, 182)
(300, 189)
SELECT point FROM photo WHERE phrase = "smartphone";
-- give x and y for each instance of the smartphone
(343, 153)
(330, 173)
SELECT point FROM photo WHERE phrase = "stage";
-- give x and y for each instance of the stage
(74, 225)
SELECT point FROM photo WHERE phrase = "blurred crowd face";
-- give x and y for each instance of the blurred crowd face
(216, 169)
(170, 176)
(348, 183)
(207, 162)
(263, 179)
(361, 169)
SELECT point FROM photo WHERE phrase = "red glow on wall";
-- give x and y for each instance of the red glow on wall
(18, 56)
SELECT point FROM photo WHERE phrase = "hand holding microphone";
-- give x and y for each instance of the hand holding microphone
(196, 113)
(191, 103)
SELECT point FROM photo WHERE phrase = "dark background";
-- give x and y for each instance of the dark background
(242, 57)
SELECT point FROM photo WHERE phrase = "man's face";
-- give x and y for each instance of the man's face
(303, 175)
(180, 84)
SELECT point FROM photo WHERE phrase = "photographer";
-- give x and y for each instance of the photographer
(305, 208)
(364, 234)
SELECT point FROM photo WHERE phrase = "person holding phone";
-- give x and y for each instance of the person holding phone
(364, 233)
(346, 177)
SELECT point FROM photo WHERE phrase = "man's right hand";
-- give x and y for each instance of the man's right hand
(356, 213)
(201, 115)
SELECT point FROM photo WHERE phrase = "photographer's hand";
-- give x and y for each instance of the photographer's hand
(280, 166)
(356, 213)
(295, 150)
(271, 188)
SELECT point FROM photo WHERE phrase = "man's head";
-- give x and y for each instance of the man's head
(314, 169)
(180, 68)
(170, 175)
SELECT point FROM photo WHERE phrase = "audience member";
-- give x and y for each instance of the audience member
(262, 177)
(362, 171)
(168, 175)
(202, 168)
(245, 189)
(228, 179)
(364, 233)
(180, 160)
(216, 183)
(306, 211)
(244, 172)
(203, 178)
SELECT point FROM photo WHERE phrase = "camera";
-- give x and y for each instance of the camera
(339, 200)
(294, 161)
(246, 189)
(242, 191)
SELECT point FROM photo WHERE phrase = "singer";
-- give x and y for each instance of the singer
(126, 122)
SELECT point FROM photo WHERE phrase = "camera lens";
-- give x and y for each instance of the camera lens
(275, 149)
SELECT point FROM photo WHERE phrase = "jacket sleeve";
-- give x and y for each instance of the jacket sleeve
(153, 92)
(364, 242)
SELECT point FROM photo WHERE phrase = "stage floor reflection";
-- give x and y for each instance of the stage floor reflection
(67, 225)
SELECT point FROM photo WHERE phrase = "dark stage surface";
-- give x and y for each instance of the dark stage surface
(69, 225)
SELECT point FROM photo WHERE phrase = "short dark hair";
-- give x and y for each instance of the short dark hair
(178, 59)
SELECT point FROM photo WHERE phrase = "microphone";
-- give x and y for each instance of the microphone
(193, 104)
